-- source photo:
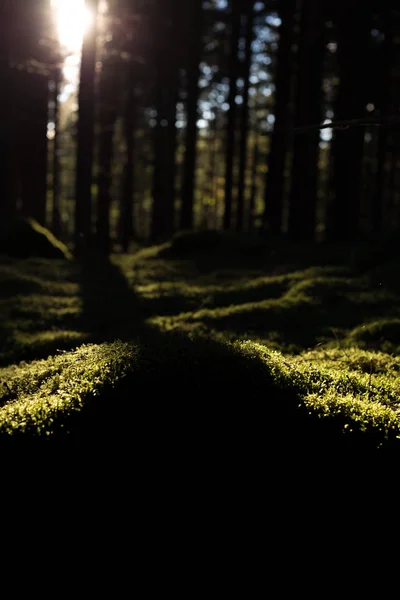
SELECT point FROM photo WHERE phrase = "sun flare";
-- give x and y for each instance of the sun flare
(72, 20)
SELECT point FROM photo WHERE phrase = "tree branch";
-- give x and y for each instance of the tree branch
(343, 124)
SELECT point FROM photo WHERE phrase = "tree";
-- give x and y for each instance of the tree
(244, 130)
(279, 143)
(195, 47)
(167, 59)
(353, 24)
(126, 210)
(85, 138)
(107, 117)
(26, 62)
(232, 111)
(308, 109)
(7, 207)
(56, 214)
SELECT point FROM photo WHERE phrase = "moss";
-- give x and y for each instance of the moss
(40, 398)
(200, 377)
(187, 364)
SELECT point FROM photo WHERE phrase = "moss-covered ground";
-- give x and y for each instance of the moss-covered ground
(239, 343)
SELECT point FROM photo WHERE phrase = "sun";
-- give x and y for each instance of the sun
(72, 20)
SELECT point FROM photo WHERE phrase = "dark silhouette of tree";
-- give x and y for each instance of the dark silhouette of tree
(107, 117)
(194, 47)
(167, 62)
(56, 214)
(85, 138)
(353, 24)
(279, 144)
(234, 65)
(308, 109)
(244, 129)
(26, 65)
(253, 192)
(7, 207)
(32, 94)
(126, 210)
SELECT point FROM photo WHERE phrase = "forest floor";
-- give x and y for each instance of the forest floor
(238, 335)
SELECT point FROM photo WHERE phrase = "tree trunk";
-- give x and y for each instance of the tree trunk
(56, 214)
(126, 212)
(107, 120)
(164, 143)
(193, 73)
(279, 143)
(34, 92)
(244, 133)
(353, 23)
(385, 107)
(309, 109)
(85, 139)
(7, 206)
(254, 169)
(231, 124)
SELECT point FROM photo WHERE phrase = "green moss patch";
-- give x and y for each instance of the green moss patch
(191, 383)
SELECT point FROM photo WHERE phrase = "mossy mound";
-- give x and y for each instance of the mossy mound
(179, 389)
(24, 238)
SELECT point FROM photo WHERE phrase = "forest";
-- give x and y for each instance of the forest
(199, 236)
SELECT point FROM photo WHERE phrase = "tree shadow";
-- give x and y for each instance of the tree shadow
(110, 308)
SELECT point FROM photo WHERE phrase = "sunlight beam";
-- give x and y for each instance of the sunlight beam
(72, 20)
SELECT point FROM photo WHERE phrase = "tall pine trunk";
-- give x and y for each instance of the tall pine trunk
(244, 131)
(347, 150)
(126, 213)
(274, 191)
(309, 110)
(7, 206)
(193, 92)
(33, 93)
(231, 124)
(107, 120)
(253, 193)
(85, 139)
(56, 213)
(164, 143)
(386, 108)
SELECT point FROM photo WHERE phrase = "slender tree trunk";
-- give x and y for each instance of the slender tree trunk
(157, 210)
(278, 149)
(231, 125)
(7, 207)
(85, 135)
(170, 157)
(244, 133)
(107, 121)
(309, 109)
(56, 213)
(164, 143)
(347, 150)
(126, 212)
(386, 108)
(34, 198)
(193, 90)
(212, 192)
(253, 195)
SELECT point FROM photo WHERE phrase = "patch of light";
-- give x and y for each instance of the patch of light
(72, 20)
(326, 134)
